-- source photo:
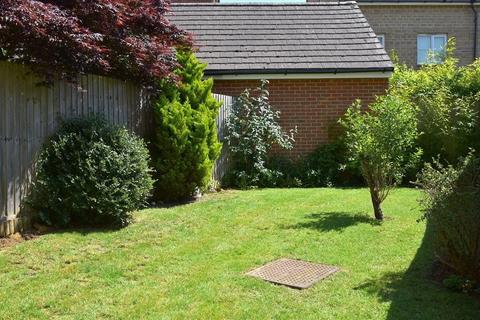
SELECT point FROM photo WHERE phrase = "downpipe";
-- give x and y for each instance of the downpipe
(475, 28)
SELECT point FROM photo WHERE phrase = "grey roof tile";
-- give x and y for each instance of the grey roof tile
(313, 37)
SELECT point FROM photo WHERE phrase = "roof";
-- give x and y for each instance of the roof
(272, 38)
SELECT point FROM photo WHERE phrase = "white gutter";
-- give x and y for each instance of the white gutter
(274, 76)
(432, 4)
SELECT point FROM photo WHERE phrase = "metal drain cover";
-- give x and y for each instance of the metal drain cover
(293, 273)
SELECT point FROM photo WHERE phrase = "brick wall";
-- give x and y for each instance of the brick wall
(313, 105)
(401, 25)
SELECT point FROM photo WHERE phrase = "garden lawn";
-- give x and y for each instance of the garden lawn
(189, 262)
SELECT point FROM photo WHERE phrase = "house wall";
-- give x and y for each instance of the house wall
(402, 23)
(313, 105)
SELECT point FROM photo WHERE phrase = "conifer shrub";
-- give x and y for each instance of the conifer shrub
(186, 142)
(91, 173)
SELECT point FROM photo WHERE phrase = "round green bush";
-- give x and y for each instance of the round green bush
(91, 173)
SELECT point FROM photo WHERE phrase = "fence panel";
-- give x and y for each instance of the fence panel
(223, 162)
(29, 113)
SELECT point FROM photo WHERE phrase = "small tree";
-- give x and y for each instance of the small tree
(382, 141)
(252, 130)
(186, 133)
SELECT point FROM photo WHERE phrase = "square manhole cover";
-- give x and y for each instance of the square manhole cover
(293, 273)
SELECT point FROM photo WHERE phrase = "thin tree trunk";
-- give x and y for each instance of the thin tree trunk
(377, 208)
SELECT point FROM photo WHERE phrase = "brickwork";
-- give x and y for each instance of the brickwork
(402, 24)
(313, 105)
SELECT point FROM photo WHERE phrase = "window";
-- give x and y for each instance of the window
(381, 38)
(431, 48)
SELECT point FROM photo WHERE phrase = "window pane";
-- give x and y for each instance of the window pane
(423, 42)
(422, 56)
(381, 38)
(438, 43)
(423, 48)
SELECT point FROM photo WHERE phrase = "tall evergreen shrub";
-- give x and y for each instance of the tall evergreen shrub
(186, 133)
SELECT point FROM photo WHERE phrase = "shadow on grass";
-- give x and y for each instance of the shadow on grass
(173, 204)
(414, 295)
(83, 230)
(39, 229)
(334, 221)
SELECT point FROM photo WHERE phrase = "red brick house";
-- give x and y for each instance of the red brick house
(318, 57)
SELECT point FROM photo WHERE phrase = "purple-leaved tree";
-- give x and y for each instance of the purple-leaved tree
(60, 39)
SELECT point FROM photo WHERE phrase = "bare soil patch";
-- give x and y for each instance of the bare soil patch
(17, 238)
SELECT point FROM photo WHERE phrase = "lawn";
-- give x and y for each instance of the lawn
(189, 262)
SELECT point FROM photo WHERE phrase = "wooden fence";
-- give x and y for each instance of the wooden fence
(222, 163)
(29, 114)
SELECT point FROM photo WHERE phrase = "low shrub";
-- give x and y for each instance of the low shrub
(91, 173)
(323, 166)
(452, 207)
(288, 172)
(326, 166)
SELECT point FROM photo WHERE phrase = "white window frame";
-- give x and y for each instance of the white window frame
(432, 37)
(382, 42)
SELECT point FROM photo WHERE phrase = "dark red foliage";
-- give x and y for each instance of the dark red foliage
(127, 39)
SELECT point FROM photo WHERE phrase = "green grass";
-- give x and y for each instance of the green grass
(189, 262)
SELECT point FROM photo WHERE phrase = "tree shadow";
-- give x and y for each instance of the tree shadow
(172, 204)
(334, 221)
(39, 230)
(82, 230)
(415, 295)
